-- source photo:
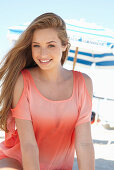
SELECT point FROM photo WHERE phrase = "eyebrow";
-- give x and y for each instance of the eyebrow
(46, 43)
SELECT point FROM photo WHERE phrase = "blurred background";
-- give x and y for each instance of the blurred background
(90, 29)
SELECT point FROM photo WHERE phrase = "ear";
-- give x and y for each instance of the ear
(64, 47)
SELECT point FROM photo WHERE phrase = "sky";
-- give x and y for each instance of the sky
(18, 12)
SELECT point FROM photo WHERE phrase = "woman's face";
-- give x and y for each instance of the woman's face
(47, 48)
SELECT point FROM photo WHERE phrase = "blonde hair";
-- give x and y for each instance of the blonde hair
(20, 57)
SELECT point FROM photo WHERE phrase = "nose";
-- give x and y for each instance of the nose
(43, 53)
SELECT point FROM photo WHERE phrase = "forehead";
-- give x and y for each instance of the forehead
(48, 34)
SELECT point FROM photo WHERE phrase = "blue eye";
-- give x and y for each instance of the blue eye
(36, 46)
(51, 45)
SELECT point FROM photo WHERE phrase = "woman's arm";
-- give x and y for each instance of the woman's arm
(29, 148)
(83, 140)
(84, 147)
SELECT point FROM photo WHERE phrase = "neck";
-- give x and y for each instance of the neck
(52, 76)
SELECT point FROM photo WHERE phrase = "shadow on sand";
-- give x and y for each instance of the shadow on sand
(100, 164)
(102, 142)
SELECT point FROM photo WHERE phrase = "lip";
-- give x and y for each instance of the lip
(45, 62)
(45, 59)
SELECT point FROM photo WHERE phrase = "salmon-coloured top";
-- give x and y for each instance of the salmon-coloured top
(54, 123)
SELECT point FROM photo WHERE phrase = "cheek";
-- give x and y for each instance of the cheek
(58, 55)
(35, 52)
(57, 51)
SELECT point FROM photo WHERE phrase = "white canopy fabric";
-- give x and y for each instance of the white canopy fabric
(95, 44)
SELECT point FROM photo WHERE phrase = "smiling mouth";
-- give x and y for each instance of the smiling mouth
(45, 61)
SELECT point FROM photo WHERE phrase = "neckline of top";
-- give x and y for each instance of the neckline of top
(54, 101)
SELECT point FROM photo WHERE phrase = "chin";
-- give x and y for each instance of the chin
(45, 68)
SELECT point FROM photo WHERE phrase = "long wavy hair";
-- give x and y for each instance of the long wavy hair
(20, 57)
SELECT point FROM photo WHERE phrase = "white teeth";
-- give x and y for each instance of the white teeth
(44, 61)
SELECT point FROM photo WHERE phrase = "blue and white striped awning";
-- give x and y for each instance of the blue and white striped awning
(94, 37)
(87, 58)
(95, 44)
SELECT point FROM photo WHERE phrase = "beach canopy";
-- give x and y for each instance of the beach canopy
(90, 44)
(88, 58)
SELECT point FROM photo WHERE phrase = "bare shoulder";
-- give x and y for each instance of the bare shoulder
(87, 78)
(18, 89)
(89, 84)
(24, 127)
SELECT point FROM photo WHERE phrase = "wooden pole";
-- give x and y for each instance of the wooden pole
(75, 57)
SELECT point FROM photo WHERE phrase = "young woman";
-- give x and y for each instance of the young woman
(45, 109)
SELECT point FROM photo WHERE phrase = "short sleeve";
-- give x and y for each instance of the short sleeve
(22, 109)
(85, 103)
